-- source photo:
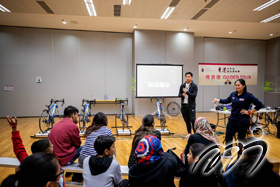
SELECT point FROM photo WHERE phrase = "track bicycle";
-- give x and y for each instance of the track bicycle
(85, 113)
(122, 116)
(46, 119)
(159, 113)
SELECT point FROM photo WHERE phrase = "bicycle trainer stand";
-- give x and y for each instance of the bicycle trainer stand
(160, 114)
(124, 129)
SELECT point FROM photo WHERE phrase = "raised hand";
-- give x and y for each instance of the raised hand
(12, 121)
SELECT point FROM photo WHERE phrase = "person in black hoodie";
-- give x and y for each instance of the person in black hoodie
(101, 169)
(188, 92)
(155, 168)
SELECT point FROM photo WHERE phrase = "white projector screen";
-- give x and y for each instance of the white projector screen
(156, 80)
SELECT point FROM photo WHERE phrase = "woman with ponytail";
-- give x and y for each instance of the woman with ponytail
(97, 128)
(37, 170)
(239, 119)
(147, 128)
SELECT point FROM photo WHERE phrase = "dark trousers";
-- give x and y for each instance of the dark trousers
(234, 126)
(188, 113)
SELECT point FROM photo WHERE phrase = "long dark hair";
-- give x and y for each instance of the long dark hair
(99, 120)
(263, 175)
(147, 124)
(242, 81)
(35, 171)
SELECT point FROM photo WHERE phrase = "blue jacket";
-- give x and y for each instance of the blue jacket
(240, 102)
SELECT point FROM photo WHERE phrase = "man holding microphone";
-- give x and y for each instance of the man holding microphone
(188, 92)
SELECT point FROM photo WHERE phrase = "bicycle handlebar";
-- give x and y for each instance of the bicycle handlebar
(122, 100)
(157, 98)
(55, 101)
(87, 101)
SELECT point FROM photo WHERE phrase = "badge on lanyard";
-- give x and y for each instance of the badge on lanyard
(241, 99)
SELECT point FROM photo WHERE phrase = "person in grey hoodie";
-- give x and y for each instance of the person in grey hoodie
(102, 169)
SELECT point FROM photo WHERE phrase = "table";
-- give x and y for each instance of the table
(227, 112)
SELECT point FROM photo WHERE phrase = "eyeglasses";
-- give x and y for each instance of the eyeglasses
(61, 173)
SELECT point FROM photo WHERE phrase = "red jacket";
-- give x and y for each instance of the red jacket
(19, 149)
(65, 139)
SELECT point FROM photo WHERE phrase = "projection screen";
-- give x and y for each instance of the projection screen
(158, 80)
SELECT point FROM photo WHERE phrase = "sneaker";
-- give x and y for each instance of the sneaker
(227, 155)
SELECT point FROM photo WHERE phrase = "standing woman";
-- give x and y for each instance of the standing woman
(239, 119)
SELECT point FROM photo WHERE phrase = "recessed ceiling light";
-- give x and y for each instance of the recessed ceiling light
(127, 2)
(270, 34)
(271, 18)
(64, 22)
(230, 32)
(185, 29)
(135, 26)
(167, 12)
(90, 7)
(4, 9)
(267, 4)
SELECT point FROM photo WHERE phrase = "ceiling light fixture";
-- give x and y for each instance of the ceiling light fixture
(270, 34)
(167, 12)
(4, 9)
(127, 2)
(185, 29)
(267, 4)
(271, 18)
(135, 26)
(90, 7)
(64, 22)
(230, 32)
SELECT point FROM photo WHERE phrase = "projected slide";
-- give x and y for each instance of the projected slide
(158, 80)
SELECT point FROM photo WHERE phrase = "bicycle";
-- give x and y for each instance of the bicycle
(173, 108)
(123, 118)
(159, 113)
(85, 113)
(46, 119)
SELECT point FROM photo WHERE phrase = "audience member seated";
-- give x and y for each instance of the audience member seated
(237, 174)
(196, 176)
(43, 145)
(155, 168)
(102, 169)
(97, 128)
(203, 134)
(147, 128)
(65, 137)
(37, 170)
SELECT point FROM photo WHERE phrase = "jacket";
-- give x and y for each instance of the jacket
(192, 92)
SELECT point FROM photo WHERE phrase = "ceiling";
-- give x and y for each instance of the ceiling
(220, 18)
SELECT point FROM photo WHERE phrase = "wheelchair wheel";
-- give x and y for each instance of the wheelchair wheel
(173, 109)
(45, 123)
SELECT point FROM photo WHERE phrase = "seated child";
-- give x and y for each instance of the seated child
(196, 177)
(102, 169)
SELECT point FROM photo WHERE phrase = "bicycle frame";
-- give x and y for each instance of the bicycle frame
(86, 109)
(53, 110)
(122, 118)
(159, 108)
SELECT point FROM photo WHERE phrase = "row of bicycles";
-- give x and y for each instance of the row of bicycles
(49, 116)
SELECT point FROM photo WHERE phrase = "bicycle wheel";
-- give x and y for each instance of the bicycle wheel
(82, 123)
(44, 123)
(173, 109)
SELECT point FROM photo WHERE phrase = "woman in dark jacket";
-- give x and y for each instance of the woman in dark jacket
(147, 128)
(155, 168)
(239, 119)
